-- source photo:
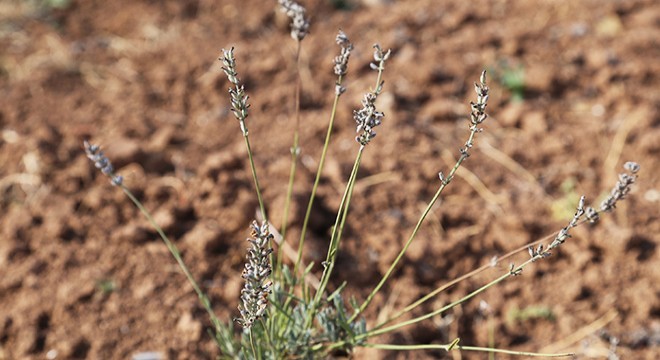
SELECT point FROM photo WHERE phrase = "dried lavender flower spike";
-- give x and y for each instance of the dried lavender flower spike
(368, 118)
(622, 187)
(101, 162)
(256, 273)
(478, 113)
(341, 61)
(299, 24)
(239, 100)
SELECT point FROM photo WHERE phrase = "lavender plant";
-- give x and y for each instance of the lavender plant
(281, 314)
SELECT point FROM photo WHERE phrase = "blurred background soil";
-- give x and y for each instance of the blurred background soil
(574, 94)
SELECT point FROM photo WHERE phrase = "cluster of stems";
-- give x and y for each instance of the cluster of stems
(367, 118)
(477, 117)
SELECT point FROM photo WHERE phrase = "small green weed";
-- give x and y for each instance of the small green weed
(106, 286)
(511, 78)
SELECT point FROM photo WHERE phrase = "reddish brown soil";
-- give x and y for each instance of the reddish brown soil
(83, 276)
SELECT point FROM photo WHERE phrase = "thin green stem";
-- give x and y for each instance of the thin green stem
(312, 196)
(469, 296)
(240, 109)
(337, 227)
(344, 205)
(462, 348)
(425, 213)
(334, 244)
(203, 298)
(255, 178)
(254, 350)
(295, 153)
(491, 337)
(466, 276)
(343, 209)
(338, 230)
(477, 116)
(257, 188)
(463, 277)
(511, 352)
(283, 311)
(267, 334)
(540, 252)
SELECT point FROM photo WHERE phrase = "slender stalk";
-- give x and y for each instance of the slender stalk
(257, 188)
(340, 69)
(266, 333)
(425, 213)
(342, 213)
(477, 116)
(469, 296)
(472, 273)
(223, 335)
(334, 244)
(295, 154)
(367, 118)
(254, 351)
(462, 348)
(338, 228)
(491, 336)
(239, 103)
(619, 192)
(463, 277)
(204, 300)
(312, 196)
(511, 352)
